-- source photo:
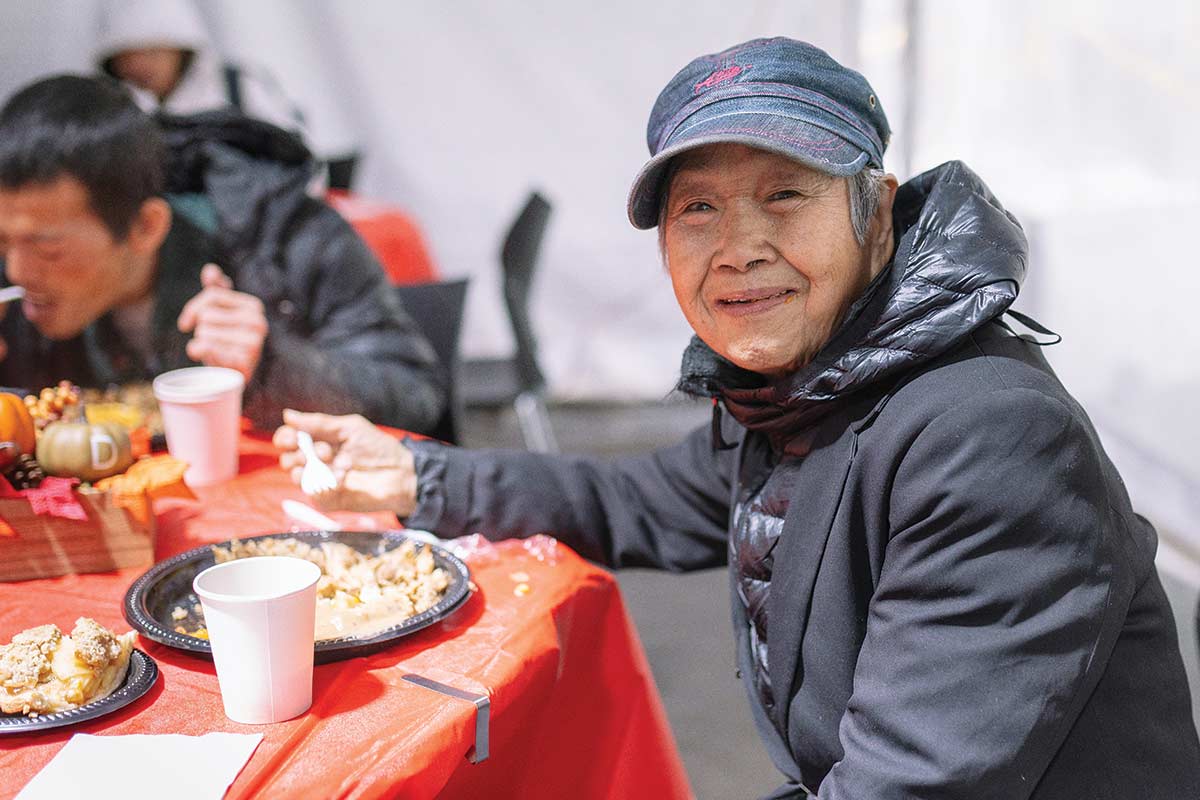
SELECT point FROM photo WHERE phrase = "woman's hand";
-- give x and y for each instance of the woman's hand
(374, 470)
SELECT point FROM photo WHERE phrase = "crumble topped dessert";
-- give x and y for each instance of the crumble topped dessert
(42, 671)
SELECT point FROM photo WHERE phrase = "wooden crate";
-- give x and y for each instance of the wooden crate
(110, 538)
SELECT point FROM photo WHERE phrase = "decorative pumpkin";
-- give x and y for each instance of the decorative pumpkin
(84, 450)
(16, 423)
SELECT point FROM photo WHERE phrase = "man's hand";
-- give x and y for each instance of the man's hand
(374, 470)
(228, 327)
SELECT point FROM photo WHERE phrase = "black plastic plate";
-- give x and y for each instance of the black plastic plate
(141, 675)
(168, 585)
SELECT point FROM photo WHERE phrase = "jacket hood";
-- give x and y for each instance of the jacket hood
(188, 138)
(255, 176)
(136, 24)
(959, 261)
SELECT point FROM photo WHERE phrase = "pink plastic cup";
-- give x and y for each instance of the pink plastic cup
(201, 411)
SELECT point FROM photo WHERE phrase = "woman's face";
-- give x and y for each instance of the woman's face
(762, 254)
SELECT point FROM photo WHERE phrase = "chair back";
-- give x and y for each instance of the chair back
(437, 310)
(518, 258)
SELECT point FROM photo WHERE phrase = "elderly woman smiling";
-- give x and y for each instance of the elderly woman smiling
(763, 255)
(938, 585)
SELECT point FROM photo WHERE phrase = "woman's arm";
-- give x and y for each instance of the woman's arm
(667, 509)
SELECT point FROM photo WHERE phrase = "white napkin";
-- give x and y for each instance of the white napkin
(143, 765)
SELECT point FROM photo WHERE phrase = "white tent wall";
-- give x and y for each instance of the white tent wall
(44, 36)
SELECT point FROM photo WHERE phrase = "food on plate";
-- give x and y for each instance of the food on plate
(357, 595)
(42, 671)
(83, 450)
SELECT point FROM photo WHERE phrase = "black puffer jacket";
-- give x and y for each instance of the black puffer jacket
(956, 281)
(339, 341)
(939, 587)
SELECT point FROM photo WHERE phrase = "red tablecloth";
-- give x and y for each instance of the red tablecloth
(391, 234)
(574, 709)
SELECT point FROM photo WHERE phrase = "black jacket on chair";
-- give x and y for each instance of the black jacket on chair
(939, 587)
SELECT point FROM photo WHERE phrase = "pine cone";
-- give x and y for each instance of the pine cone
(25, 473)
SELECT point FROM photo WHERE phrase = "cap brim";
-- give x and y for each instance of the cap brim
(801, 141)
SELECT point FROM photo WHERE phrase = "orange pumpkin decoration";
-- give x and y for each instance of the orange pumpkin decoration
(16, 424)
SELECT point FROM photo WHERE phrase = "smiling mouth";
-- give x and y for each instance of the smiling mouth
(750, 298)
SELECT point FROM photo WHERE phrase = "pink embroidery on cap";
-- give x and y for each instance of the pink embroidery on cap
(723, 75)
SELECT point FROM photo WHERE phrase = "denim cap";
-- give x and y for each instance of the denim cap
(780, 95)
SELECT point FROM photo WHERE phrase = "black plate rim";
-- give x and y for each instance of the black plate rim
(138, 614)
(141, 675)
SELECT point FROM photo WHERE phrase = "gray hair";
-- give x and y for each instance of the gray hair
(865, 188)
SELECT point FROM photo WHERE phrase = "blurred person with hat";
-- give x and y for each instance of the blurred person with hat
(163, 50)
(938, 585)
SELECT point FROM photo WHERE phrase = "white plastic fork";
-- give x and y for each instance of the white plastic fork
(10, 293)
(316, 477)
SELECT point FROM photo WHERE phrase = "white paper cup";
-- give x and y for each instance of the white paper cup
(261, 614)
(201, 412)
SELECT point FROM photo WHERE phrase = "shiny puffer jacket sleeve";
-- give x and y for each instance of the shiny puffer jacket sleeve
(667, 509)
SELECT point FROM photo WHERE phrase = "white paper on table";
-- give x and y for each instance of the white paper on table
(143, 765)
